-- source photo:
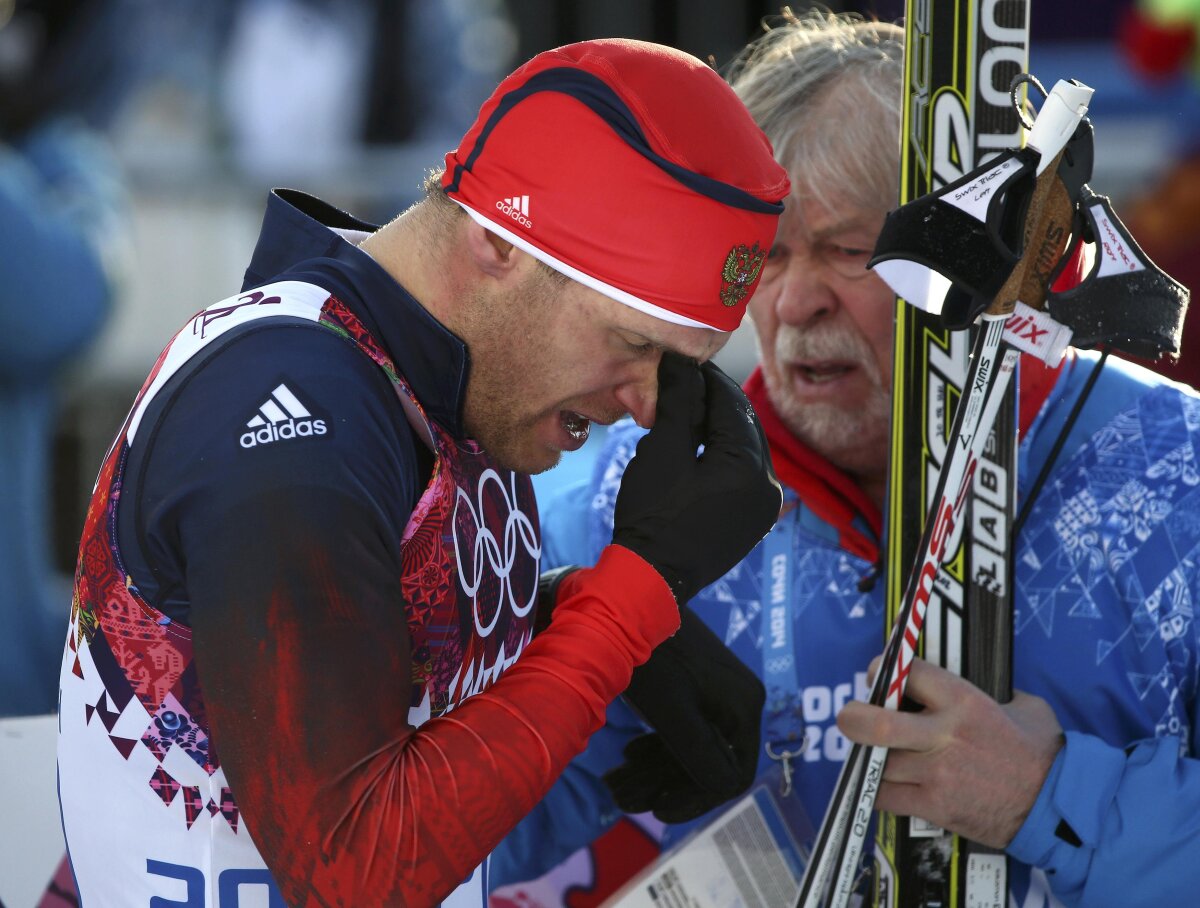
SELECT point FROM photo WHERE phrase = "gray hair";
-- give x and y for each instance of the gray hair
(826, 89)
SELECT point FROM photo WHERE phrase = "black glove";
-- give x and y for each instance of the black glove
(547, 595)
(694, 517)
(706, 708)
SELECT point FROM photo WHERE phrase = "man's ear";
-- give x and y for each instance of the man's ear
(491, 253)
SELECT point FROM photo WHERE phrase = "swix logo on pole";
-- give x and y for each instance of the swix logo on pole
(1048, 252)
(981, 379)
(1023, 326)
(1033, 331)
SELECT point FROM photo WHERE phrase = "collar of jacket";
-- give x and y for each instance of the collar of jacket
(299, 240)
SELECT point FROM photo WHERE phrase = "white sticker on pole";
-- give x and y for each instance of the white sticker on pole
(986, 887)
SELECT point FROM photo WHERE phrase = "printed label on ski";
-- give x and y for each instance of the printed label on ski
(961, 57)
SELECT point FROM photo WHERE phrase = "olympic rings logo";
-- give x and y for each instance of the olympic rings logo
(497, 557)
(779, 664)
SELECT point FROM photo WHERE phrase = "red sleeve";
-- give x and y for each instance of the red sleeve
(463, 781)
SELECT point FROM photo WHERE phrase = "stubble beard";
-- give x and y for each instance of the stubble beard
(507, 376)
(852, 434)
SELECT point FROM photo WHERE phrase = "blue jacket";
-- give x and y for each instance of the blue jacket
(1104, 628)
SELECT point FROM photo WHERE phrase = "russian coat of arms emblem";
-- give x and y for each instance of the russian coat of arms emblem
(741, 270)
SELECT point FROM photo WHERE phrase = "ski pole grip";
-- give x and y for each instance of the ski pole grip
(1047, 230)
(1060, 113)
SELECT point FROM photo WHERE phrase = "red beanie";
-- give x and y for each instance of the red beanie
(632, 168)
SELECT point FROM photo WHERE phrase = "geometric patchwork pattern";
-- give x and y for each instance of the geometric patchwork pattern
(124, 746)
(229, 809)
(193, 803)
(1110, 556)
(164, 786)
(108, 716)
(142, 666)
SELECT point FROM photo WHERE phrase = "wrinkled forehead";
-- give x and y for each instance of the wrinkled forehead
(813, 218)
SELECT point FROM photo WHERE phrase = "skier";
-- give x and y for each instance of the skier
(299, 665)
(1087, 776)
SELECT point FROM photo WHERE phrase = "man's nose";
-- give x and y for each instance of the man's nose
(639, 396)
(805, 292)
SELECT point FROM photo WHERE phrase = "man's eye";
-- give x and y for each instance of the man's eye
(851, 252)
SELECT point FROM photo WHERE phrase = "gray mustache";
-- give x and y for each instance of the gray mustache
(822, 343)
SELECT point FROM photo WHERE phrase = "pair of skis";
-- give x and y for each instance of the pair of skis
(990, 245)
(960, 56)
(1047, 222)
